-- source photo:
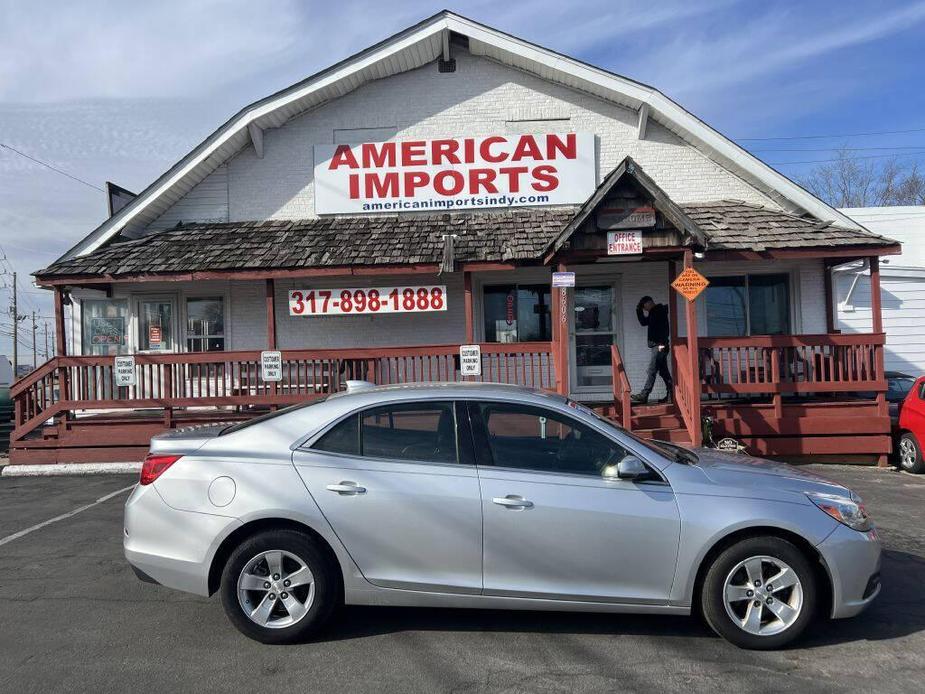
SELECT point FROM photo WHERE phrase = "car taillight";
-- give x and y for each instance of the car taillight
(155, 465)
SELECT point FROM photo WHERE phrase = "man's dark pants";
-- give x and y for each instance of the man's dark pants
(658, 364)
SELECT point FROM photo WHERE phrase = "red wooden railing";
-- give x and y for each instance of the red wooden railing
(207, 379)
(621, 387)
(792, 363)
(686, 392)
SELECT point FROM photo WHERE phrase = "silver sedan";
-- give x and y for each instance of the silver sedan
(489, 496)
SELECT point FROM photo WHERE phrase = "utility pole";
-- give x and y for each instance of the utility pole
(35, 360)
(46, 340)
(15, 332)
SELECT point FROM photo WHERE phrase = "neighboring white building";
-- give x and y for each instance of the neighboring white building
(902, 283)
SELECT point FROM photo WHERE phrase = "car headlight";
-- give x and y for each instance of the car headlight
(845, 509)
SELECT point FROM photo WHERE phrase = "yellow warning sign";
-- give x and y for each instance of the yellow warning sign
(690, 283)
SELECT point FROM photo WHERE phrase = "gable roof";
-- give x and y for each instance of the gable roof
(628, 167)
(413, 48)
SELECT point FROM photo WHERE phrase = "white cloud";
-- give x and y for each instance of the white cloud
(76, 50)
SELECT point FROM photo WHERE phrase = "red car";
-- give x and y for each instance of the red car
(912, 428)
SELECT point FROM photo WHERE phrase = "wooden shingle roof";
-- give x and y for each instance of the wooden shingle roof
(523, 234)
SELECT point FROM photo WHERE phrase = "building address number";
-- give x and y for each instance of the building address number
(375, 300)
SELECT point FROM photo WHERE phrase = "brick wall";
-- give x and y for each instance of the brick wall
(481, 97)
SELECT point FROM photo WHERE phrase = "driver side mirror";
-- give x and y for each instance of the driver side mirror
(630, 468)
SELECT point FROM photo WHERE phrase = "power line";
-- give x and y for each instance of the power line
(827, 161)
(827, 137)
(53, 168)
(838, 149)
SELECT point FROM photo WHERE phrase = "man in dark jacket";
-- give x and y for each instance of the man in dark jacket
(655, 317)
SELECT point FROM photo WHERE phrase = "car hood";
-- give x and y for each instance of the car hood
(738, 470)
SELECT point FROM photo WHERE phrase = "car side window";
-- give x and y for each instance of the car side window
(534, 438)
(343, 438)
(422, 431)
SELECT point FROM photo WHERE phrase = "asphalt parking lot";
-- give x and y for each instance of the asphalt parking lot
(74, 617)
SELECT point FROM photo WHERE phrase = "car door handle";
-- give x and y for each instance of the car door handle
(512, 501)
(346, 488)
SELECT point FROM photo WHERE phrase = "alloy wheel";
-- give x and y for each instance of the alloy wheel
(276, 589)
(763, 595)
(907, 453)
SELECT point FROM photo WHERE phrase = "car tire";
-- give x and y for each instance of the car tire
(740, 605)
(279, 587)
(910, 454)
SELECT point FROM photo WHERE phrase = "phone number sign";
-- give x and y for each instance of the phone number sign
(367, 300)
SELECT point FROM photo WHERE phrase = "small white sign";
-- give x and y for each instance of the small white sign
(124, 371)
(624, 242)
(563, 279)
(470, 360)
(271, 366)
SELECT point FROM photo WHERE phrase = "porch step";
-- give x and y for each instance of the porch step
(658, 421)
(672, 435)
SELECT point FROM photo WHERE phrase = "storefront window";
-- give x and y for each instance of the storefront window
(205, 324)
(748, 305)
(104, 326)
(517, 313)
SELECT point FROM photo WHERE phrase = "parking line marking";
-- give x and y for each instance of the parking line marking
(81, 509)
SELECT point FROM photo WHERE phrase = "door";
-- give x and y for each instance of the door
(157, 324)
(554, 528)
(400, 496)
(594, 330)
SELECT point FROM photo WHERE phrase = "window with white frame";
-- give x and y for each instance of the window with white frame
(740, 305)
(205, 324)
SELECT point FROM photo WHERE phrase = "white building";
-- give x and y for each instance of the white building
(463, 165)
(902, 286)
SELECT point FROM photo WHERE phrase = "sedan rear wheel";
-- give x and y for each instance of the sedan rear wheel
(278, 587)
(759, 593)
(910, 454)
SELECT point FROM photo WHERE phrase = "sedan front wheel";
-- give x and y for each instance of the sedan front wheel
(759, 593)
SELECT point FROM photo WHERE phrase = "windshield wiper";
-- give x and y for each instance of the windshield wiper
(678, 453)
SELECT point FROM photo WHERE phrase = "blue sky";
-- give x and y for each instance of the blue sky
(118, 91)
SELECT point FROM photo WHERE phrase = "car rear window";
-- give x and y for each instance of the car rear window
(268, 416)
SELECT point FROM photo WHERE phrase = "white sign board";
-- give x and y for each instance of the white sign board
(563, 279)
(124, 371)
(625, 217)
(624, 242)
(367, 300)
(271, 366)
(470, 360)
(455, 173)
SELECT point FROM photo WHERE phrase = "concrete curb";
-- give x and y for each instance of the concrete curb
(70, 469)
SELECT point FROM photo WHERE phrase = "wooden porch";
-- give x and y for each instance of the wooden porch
(777, 395)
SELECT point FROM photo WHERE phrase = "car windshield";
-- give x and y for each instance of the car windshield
(269, 415)
(672, 451)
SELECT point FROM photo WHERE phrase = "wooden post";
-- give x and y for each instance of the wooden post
(271, 327)
(271, 314)
(467, 301)
(60, 343)
(560, 320)
(673, 325)
(64, 374)
(829, 298)
(693, 354)
(876, 320)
